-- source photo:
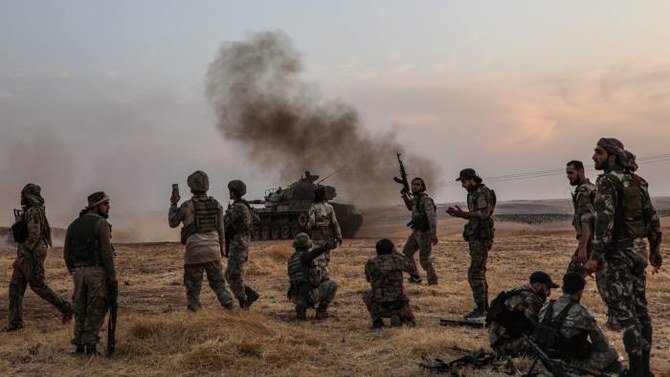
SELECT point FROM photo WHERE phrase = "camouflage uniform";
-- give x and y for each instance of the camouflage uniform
(309, 284)
(584, 212)
(579, 324)
(237, 222)
(29, 269)
(89, 257)
(619, 242)
(525, 303)
(203, 252)
(387, 297)
(420, 239)
(323, 225)
(479, 234)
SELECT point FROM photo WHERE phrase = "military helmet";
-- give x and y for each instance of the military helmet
(238, 187)
(198, 181)
(302, 241)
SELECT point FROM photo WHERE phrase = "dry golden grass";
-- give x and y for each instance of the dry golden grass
(157, 336)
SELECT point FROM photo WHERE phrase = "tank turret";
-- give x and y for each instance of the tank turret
(284, 211)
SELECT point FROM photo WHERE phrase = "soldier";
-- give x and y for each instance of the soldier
(424, 230)
(89, 256)
(322, 224)
(28, 268)
(237, 221)
(574, 333)
(583, 221)
(202, 234)
(387, 297)
(624, 217)
(310, 285)
(514, 313)
(479, 235)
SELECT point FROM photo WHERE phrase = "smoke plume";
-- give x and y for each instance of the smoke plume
(262, 102)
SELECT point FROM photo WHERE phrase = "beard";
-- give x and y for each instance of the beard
(600, 165)
(574, 183)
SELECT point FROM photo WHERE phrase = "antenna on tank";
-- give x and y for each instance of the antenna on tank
(331, 174)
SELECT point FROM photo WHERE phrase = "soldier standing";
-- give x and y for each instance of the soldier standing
(424, 230)
(584, 221)
(479, 235)
(322, 224)
(238, 222)
(28, 268)
(625, 216)
(89, 256)
(310, 284)
(517, 314)
(386, 298)
(202, 234)
(579, 340)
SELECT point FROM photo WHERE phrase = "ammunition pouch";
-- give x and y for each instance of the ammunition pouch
(187, 232)
(479, 229)
(420, 222)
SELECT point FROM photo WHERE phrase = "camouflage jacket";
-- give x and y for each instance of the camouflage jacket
(582, 202)
(238, 219)
(420, 204)
(322, 216)
(526, 302)
(37, 237)
(480, 203)
(578, 322)
(384, 272)
(614, 246)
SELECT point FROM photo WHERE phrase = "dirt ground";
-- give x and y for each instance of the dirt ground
(157, 336)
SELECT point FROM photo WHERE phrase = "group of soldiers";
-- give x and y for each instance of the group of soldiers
(612, 220)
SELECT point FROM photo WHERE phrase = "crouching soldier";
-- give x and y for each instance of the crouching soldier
(514, 313)
(387, 297)
(568, 331)
(310, 285)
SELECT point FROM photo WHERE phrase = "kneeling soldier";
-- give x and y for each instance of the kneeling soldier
(310, 285)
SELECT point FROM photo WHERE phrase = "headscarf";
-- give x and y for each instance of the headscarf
(32, 194)
(615, 147)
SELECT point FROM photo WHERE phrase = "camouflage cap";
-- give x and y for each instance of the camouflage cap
(467, 173)
(198, 181)
(302, 241)
(237, 187)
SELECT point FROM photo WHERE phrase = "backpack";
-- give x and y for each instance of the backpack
(548, 336)
(19, 231)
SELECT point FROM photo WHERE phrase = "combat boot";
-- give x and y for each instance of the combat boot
(79, 351)
(635, 367)
(645, 364)
(12, 327)
(377, 324)
(301, 312)
(476, 314)
(414, 279)
(252, 296)
(322, 311)
(90, 350)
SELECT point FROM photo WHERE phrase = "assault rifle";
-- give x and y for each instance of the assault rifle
(403, 176)
(477, 359)
(113, 292)
(557, 367)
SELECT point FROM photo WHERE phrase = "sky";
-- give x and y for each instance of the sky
(111, 95)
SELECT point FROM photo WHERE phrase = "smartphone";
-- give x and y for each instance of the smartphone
(175, 188)
(17, 214)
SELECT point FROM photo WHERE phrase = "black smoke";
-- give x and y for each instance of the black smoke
(261, 101)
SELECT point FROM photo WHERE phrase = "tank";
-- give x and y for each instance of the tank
(284, 211)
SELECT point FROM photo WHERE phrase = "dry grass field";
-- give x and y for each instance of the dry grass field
(158, 337)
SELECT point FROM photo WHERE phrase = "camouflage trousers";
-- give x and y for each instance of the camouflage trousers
(90, 304)
(237, 256)
(600, 276)
(479, 252)
(30, 272)
(627, 290)
(379, 310)
(420, 240)
(510, 347)
(193, 275)
(321, 295)
(598, 361)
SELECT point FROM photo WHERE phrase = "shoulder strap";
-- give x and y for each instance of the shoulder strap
(558, 322)
(549, 314)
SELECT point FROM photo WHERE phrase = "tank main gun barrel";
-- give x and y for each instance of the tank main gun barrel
(256, 201)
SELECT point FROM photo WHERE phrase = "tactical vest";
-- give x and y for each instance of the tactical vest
(387, 284)
(629, 222)
(84, 248)
(206, 217)
(298, 273)
(515, 323)
(549, 337)
(482, 229)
